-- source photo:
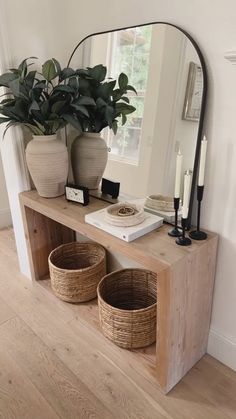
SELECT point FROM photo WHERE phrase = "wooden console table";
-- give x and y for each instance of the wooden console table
(185, 276)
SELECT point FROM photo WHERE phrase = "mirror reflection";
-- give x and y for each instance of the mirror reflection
(163, 66)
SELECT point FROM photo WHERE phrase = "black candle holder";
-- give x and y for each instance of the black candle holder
(175, 232)
(198, 234)
(183, 241)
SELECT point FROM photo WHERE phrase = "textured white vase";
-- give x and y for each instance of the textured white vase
(47, 161)
(89, 154)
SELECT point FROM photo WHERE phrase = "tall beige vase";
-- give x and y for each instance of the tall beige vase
(47, 161)
(89, 154)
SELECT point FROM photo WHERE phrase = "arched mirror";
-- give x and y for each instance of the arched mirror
(167, 69)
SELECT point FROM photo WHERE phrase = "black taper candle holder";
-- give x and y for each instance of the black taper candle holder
(175, 232)
(183, 241)
(198, 234)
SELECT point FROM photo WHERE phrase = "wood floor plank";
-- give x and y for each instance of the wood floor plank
(6, 312)
(18, 396)
(59, 386)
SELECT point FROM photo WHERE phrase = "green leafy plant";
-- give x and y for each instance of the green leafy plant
(100, 102)
(39, 101)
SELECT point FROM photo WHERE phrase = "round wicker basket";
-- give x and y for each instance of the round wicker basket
(127, 301)
(76, 269)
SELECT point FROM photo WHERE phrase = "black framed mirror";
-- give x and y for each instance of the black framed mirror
(165, 65)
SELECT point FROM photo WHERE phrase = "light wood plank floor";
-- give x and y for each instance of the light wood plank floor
(55, 363)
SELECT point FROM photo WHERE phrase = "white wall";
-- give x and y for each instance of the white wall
(5, 214)
(53, 28)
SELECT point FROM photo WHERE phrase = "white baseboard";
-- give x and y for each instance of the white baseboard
(5, 218)
(222, 348)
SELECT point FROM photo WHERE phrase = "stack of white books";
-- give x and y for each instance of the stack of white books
(128, 234)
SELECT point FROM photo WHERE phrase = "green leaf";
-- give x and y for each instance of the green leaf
(81, 109)
(84, 87)
(34, 106)
(64, 88)
(40, 126)
(98, 72)
(109, 114)
(105, 90)
(66, 73)
(45, 108)
(10, 112)
(125, 99)
(15, 71)
(124, 108)
(23, 66)
(11, 124)
(40, 85)
(98, 125)
(4, 120)
(74, 83)
(57, 65)
(116, 94)
(123, 81)
(85, 100)
(101, 103)
(35, 130)
(82, 72)
(114, 127)
(129, 87)
(30, 78)
(8, 102)
(124, 119)
(49, 70)
(21, 109)
(73, 121)
(55, 124)
(7, 78)
(57, 106)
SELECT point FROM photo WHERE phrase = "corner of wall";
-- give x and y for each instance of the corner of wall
(222, 348)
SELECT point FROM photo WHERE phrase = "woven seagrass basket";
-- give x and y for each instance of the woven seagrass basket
(76, 269)
(127, 301)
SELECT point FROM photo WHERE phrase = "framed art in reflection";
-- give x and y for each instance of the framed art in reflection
(193, 95)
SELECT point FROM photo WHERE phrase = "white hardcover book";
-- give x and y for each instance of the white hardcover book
(128, 234)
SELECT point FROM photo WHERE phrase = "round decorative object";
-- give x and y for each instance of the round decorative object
(89, 155)
(124, 215)
(125, 211)
(47, 161)
(160, 203)
(127, 302)
(76, 269)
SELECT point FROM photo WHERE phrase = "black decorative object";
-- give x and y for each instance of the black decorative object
(175, 232)
(110, 188)
(183, 241)
(78, 194)
(198, 234)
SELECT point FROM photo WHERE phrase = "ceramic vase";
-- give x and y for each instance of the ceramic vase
(47, 161)
(89, 155)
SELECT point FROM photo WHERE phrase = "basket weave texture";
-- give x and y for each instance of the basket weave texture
(76, 269)
(127, 301)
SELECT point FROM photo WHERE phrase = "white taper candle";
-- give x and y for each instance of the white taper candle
(202, 162)
(179, 161)
(187, 187)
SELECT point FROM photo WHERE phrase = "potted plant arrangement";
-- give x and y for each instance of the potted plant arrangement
(41, 102)
(100, 104)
